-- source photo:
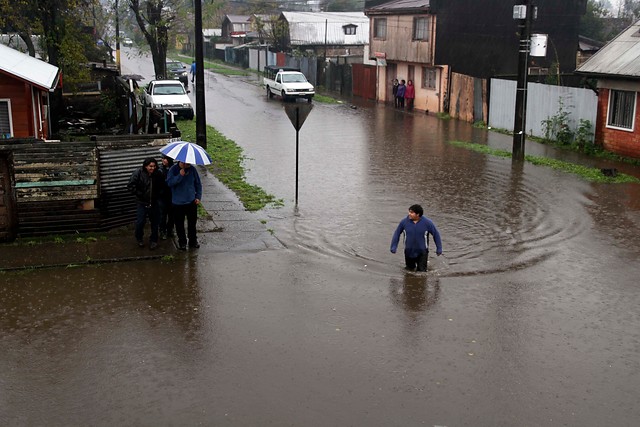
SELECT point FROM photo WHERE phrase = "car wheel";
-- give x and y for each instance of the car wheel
(284, 96)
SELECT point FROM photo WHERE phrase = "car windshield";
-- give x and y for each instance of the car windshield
(168, 90)
(293, 78)
(175, 65)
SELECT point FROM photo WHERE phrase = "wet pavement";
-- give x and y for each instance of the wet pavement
(530, 318)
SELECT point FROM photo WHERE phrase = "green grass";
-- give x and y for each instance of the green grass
(591, 150)
(325, 99)
(228, 159)
(588, 173)
(221, 68)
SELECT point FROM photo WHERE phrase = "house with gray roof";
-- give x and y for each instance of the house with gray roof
(326, 34)
(616, 67)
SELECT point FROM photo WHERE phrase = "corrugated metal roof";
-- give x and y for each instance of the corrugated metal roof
(238, 19)
(309, 28)
(396, 5)
(28, 68)
(619, 57)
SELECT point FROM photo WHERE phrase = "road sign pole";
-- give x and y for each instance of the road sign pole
(297, 149)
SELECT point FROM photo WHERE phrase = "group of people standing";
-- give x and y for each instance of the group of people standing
(402, 92)
(166, 195)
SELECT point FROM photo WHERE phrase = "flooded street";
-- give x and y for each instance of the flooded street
(531, 317)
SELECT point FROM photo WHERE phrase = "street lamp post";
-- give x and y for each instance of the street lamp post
(524, 15)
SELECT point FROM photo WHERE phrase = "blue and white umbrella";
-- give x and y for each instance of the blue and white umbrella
(187, 152)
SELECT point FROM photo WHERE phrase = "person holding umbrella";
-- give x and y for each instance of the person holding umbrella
(186, 188)
(186, 192)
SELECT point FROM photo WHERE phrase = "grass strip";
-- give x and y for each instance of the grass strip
(228, 167)
(588, 173)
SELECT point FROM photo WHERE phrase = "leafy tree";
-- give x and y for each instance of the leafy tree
(17, 16)
(591, 23)
(274, 31)
(345, 6)
(630, 9)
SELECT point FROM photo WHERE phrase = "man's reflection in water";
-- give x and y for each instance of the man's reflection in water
(413, 292)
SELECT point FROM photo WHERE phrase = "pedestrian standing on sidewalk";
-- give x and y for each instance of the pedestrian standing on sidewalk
(410, 94)
(166, 207)
(147, 184)
(186, 192)
(400, 94)
(416, 229)
(394, 90)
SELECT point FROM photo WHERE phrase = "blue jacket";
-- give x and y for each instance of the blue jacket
(416, 241)
(401, 89)
(184, 189)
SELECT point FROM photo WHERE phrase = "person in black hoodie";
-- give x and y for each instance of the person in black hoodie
(166, 211)
(147, 184)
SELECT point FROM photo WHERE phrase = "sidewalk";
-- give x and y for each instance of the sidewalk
(229, 228)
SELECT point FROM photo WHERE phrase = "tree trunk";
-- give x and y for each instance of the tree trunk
(26, 37)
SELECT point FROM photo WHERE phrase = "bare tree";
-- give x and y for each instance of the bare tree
(155, 18)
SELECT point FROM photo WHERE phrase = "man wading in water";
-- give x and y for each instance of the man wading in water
(416, 242)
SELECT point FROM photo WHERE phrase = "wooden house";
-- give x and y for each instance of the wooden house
(617, 71)
(25, 84)
(235, 28)
(434, 42)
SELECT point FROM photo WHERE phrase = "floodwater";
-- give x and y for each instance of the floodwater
(531, 317)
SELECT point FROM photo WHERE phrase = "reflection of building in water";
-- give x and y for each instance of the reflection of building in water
(413, 292)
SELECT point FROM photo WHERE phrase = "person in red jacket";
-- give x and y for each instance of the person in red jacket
(410, 94)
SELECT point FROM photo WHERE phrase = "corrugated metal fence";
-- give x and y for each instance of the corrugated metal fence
(543, 102)
(57, 187)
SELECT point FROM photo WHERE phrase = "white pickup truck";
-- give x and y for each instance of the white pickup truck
(169, 95)
(288, 83)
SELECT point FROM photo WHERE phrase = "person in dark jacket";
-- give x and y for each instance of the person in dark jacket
(186, 192)
(394, 91)
(147, 184)
(166, 211)
(417, 229)
(400, 94)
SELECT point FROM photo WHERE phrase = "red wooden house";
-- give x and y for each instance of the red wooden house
(25, 84)
(617, 70)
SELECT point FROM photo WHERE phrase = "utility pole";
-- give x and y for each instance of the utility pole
(117, 38)
(201, 116)
(524, 15)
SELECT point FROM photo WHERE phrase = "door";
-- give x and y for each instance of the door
(392, 73)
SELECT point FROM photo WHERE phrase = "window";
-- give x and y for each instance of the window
(622, 109)
(380, 28)
(350, 30)
(420, 28)
(428, 78)
(6, 130)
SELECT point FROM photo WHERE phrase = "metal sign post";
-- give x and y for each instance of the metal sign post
(297, 114)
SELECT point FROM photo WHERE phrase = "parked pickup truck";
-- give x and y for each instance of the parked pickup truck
(169, 95)
(289, 83)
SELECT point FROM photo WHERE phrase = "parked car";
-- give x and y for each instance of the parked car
(178, 70)
(289, 83)
(127, 41)
(169, 95)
